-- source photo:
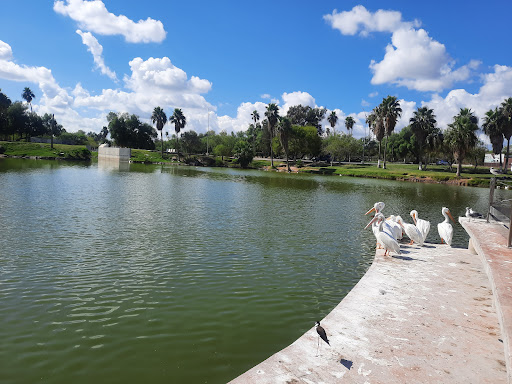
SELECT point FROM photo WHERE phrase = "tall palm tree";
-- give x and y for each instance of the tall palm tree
(272, 115)
(390, 111)
(28, 95)
(422, 123)
(376, 124)
(506, 110)
(493, 127)
(349, 123)
(179, 121)
(332, 119)
(461, 135)
(255, 117)
(284, 129)
(159, 118)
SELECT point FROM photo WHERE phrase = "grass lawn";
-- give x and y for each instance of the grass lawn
(59, 151)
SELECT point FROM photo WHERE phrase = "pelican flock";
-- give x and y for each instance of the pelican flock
(389, 232)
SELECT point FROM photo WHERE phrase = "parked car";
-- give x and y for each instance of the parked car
(442, 162)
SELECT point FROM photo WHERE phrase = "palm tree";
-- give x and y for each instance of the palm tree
(332, 119)
(272, 115)
(422, 123)
(179, 121)
(390, 111)
(376, 124)
(255, 117)
(159, 118)
(28, 95)
(461, 135)
(349, 124)
(506, 110)
(492, 127)
(284, 129)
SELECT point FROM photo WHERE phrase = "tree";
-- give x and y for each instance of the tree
(460, 136)
(493, 127)
(272, 115)
(506, 110)
(390, 111)
(5, 103)
(333, 119)
(349, 123)
(376, 123)
(128, 131)
(255, 116)
(422, 123)
(28, 95)
(17, 118)
(305, 115)
(159, 118)
(179, 121)
(243, 153)
(284, 129)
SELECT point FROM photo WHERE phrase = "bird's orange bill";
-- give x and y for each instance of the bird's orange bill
(449, 214)
(371, 222)
(370, 211)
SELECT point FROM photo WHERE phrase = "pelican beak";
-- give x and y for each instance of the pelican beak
(371, 222)
(451, 217)
(370, 211)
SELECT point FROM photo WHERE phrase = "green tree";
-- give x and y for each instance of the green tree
(422, 123)
(272, 115)
(333, 119)
(179, 121)
(243, 153)
(493, 128)
(304, 141)
(28, 95)
(460, 136)
(390, 111)
(284, 129)
(349, 123)
(506, 110)
(17, 118)
(160, 119)
(375, 121)
(5, 103)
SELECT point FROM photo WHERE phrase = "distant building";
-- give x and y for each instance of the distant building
(492, 160)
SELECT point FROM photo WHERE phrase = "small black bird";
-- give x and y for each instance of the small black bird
(321, 332)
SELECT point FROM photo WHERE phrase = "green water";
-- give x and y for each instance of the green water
(177, 274)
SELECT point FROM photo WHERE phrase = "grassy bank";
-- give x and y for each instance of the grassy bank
(44, 151)
(395, 171)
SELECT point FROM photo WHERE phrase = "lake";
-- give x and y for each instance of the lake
(178, 274)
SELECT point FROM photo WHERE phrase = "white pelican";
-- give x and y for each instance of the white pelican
(396, 229)
(445, 229)
(388, 242)
(423, 225)
(377, 208)
(412, 232)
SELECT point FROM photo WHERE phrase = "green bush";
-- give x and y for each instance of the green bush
(2, 149)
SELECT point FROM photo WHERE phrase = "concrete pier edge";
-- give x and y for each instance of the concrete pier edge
(404, 283)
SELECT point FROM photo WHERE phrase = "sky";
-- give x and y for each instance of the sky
(220, 61)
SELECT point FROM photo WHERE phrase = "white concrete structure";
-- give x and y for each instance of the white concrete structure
(121, 154)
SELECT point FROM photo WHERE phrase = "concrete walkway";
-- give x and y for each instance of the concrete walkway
(427, 316)
(490, 241)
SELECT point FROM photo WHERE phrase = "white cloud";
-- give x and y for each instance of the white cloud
(373, 94)
(5, 51)
(416, 61)
(359, 19)
(413, 59)
(243, 117)
(265, 96)
(296, 98)
(96, 50)
(93, 16)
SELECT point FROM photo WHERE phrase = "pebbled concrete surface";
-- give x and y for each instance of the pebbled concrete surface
(427, 316)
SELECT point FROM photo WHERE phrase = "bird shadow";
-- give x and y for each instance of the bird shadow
(346, 363)
(407, 258)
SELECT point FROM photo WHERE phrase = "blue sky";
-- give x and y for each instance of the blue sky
(83, 59)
